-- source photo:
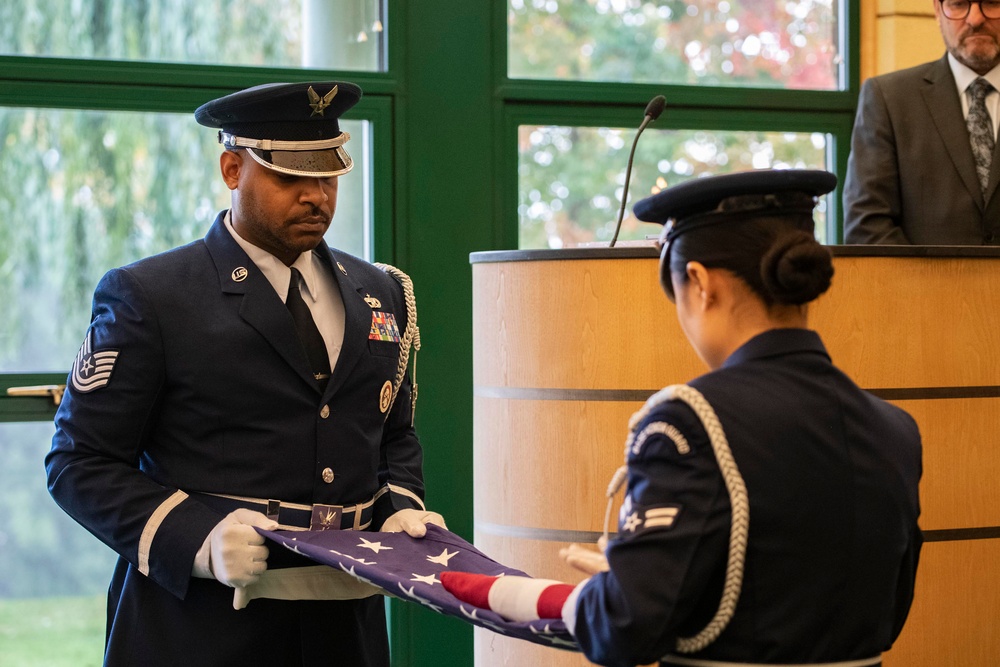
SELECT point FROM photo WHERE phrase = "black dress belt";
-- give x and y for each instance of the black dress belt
(297, 516)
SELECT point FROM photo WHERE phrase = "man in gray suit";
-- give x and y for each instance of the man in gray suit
(924, 167)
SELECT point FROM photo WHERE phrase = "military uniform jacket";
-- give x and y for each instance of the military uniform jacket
(192, 379)
(831, 474)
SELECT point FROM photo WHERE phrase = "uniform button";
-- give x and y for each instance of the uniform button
(325, 411)
(328, 475)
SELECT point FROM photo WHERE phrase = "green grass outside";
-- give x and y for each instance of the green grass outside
(52, 632)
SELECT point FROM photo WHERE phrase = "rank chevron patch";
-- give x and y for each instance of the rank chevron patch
(92, 370)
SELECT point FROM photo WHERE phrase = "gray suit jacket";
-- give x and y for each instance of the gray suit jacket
(911, 176)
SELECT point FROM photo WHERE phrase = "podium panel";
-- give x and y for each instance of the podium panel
(568, 344)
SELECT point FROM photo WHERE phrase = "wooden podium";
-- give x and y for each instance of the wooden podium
(568, 344)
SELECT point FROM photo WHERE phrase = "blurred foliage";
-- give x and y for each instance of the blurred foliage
(84, 191)
(239, 32)
(760, 43)
(56, 632)
(571, 179)
(44, 552)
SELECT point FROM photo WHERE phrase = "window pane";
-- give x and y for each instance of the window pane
(767, 43)
(570, 179)
(55, 574)
(337, 34)
(86, 191)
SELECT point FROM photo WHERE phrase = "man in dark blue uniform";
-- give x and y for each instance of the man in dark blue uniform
(255, 378)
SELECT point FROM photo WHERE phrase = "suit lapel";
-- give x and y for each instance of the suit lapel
(259, 305)
(945, 110)
(991, 189)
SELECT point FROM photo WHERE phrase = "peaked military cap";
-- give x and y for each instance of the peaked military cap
(291, 128)
(699, 202)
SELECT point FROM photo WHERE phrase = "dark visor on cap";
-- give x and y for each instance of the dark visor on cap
(314, 159)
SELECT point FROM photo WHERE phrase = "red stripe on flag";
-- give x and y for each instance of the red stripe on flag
(468, 587)
(550, 602)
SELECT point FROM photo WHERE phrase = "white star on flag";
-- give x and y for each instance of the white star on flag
(394, 573)
(425, 602)
(442, 558)
(357, 576)
(374, 546)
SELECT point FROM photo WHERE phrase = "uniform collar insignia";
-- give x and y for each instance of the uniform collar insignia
(372, 301)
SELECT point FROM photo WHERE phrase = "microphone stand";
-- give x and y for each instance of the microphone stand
(653, 111)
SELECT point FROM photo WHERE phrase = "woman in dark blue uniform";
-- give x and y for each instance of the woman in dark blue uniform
(830, 473)
(771, 507)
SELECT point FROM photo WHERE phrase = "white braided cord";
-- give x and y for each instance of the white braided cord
(739, 527)
(738, 499)
(618, 478)
(616, 483)
(411, 337)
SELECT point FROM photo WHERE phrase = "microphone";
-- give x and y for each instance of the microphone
(653, 111)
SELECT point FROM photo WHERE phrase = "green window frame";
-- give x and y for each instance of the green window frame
(589, 104)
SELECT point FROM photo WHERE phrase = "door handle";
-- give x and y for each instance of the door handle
(54, 391)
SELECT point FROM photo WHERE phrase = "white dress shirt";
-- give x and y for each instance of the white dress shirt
(319, 289)
(964, 78)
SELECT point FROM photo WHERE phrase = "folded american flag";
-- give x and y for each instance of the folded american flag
(410, 569)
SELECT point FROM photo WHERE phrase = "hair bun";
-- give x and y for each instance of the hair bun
(796, 269)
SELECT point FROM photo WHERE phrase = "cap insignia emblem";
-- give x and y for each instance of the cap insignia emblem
(319, 104)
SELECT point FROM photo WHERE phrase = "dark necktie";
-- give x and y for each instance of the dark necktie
(981, 130)
(312, 340)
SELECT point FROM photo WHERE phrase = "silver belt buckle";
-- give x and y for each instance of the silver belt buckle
(273, 509)
(325, 517)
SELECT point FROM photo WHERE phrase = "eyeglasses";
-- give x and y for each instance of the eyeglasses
(959, 9)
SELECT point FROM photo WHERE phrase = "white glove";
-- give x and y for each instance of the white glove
(238, 556)
(587, 561)
(412, 522)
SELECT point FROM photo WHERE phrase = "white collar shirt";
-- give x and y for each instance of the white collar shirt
(319, 289)
(964, 78)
